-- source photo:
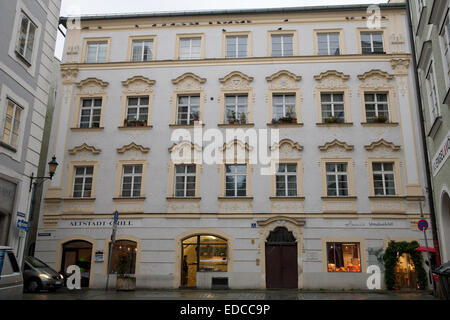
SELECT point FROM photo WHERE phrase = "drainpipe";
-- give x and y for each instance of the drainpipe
(424, 142)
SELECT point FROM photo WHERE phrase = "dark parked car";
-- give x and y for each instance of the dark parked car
(39, 276)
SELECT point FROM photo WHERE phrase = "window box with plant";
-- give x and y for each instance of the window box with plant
(380, 119)
(332, 120)
(135, 123)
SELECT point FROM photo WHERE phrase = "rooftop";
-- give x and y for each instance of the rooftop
(353, 7)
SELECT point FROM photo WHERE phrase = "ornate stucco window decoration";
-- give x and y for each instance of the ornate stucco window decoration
(188, 100)
(287, 179)
(332, 95)
(90, 102)
(235, 173)
(378, 99)
(284, 98)
(130, 192)
(137, 100)
(385, 180)
(236, 100)
(185, 168)
(338, 187)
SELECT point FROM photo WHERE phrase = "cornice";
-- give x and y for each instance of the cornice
(83, 147)
(337, 143)
(292, 144)
(188, 75)
(133, 146)
(380, 143)
(283, 73)
(234, 74)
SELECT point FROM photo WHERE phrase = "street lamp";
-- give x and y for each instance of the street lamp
(52, 165)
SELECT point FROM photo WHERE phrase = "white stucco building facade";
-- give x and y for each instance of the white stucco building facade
(346, 183)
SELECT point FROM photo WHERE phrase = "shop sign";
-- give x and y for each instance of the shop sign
(99, 223)
(99, 256)
(7, 195)
(442, 155)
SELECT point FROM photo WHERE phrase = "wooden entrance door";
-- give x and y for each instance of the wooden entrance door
(281, 260)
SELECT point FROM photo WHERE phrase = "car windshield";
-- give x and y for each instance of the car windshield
(36, 263)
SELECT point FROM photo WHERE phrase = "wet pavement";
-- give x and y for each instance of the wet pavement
(156, 294)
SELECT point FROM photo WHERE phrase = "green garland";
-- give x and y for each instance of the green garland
(390, 258)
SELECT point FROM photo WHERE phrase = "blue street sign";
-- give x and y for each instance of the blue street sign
(22, 224)
(2, 258)
(21, 214)
(422, 225)
(116, 216)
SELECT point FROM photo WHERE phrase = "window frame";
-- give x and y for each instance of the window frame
(337, 174)
(375, 103)
(292, 33)
(119, 180)
(17, 48)
(397, 177)
(71, 178)
(189, 106)
(225, 36)
(97, 40)
(343, 243)
(133, 175)
(318, 32)
(444, 38)
(16, 106)
(349, 174)
(383, 174)
(432, 94)
(131, 41)
(333, 103)
(91, 115)
(190, 36)
(185, 175)
(84, 176)
(235, 182)
(286, 176)
(382, 30)
(138, 107)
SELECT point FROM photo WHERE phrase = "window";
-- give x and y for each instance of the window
(185, 176)
(235, 180)
(343, 257)
(433, 97)
(96, 52)
(337, 180)
(142, 50)
(188, 110)
(91, 110)
(282, 45)
(236, 109)
(190, 48)
(82, 186)
(445, 37)
(237, 46)
(286, 180)
(137, 112)
(132, 181)
(26, 38)
(377, 107)
(328, 44)
(202, 253)
(123, 257)
(12, 124)
(332, 107)
(283, 106)
(372, 42)
(383, 178)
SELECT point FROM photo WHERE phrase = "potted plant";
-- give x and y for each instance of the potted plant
(380, 119)
(125, 282)
(243, 118)
(331, 120)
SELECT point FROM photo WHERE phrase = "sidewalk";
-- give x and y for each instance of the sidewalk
(163, 294)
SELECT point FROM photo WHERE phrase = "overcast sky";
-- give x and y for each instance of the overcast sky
(83, 7)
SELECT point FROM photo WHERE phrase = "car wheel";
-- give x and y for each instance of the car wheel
(33, 286)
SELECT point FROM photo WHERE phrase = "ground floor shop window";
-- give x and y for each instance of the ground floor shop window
(203, 253)
(123, 257)
(343, 257)
(405, 272)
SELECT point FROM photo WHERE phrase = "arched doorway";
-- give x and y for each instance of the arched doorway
(202, 253)
(445, 232)
(123, 257)
(78, 252)
(281, 260)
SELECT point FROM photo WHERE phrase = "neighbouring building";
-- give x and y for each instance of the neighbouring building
(431, 29)
(338, 89)
(28, 34)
